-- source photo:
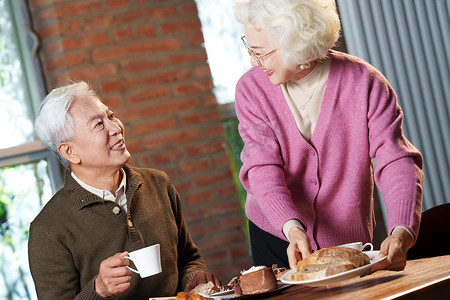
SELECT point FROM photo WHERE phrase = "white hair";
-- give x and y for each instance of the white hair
(54, 124)
(302, 30)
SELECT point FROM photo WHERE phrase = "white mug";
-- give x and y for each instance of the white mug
(147, 261)
(358, 246)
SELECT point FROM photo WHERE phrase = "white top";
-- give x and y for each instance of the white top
(120, 198)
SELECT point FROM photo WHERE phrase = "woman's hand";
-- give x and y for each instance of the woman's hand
(201, 277)
(395, 247)
(299, 247)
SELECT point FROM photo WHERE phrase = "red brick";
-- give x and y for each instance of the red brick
(117, 3)
(239, 252)
(130, 17)
(159, 44)
(167, 107)
(194, 87)
(174, 137)
(142, 64)
(123, 34)
(208, 100)
(135, 146)
(187, 58)
(47, 15)
(148, 94)
(198, 117)
(216, 256)
(96, 22)
(163, 77)
(59, 28)
(226, 191)
(222, 240)
(181, 26)
(93, 72)
(167, 156)
(214, 130)
(190, 167)
(197, 230)
(78, 7)
(220, 159)
(107, 86)
(109, 53)
(198, 198)
(205, 147)
(202, 71)
(162, 12)
(235, 222)
(113, 102)
(146, 30)
(190, 10)
(194, 38)
(154, 125)
(211, 179)
(66, 61)
(37, 3)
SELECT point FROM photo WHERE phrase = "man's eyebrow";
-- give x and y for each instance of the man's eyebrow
(99, 116)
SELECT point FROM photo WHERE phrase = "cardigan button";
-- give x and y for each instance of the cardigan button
(116, 210)
(130, 224)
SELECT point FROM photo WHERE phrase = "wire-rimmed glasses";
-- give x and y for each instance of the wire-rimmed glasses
(257, 58)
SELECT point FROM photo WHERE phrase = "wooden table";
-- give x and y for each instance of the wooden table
(427, 278)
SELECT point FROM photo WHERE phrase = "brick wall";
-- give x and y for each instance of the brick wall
(147, 62)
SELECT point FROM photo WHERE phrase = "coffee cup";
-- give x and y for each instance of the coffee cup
(147, 261)
(358, 246)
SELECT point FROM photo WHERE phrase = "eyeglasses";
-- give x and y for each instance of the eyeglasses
(257, 58)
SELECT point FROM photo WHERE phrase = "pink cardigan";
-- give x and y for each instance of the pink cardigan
(328, 183)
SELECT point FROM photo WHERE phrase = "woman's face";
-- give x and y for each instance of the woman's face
(272, 64)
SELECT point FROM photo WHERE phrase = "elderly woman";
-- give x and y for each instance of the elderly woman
(312, 120)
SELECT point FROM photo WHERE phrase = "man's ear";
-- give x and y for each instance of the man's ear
(68, 152)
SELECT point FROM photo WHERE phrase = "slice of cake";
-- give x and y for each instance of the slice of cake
(255, 280)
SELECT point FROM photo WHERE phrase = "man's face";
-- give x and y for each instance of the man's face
(99, 136)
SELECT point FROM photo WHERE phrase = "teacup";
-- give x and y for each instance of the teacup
(147, 261)
(358, 246)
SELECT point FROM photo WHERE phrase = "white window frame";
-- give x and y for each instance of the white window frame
(28, 44)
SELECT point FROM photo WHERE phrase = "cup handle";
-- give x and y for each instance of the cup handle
(135, 271)
(366, 245)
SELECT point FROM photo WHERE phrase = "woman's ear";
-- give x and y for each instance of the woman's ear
(68, 152)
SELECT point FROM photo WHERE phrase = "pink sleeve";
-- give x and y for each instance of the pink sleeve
(262, 174)
(398, 164)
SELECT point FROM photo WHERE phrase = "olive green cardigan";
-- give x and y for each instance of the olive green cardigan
(76, 230)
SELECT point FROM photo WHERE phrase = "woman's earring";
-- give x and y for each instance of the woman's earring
(304, 66)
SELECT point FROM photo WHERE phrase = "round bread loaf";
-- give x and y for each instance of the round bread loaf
(335, 255)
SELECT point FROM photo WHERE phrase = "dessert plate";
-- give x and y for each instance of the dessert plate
(374, 260)
(230, 293)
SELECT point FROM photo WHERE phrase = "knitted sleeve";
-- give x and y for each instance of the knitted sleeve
(398, 164)
(189, 257)
(262, 172)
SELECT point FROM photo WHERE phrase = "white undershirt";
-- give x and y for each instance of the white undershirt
(120, 197)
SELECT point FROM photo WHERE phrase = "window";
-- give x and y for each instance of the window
(29, 173)
(227, 58)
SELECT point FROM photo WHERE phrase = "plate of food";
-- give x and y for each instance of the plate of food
(255, 283)
(332, 265)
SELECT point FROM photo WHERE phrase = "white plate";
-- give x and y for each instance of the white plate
(230, 294)
(374, 259)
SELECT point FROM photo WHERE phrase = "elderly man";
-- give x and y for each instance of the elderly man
(79, 241)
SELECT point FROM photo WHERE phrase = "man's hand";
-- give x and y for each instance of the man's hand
(113, 277)
(395, 247)
(299, 247)
(202, 277)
